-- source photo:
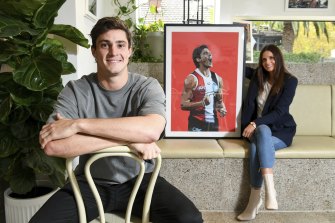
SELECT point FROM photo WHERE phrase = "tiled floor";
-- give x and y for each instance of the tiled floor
(273, 217)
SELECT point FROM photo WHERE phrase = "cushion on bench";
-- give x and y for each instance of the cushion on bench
(234, 148)
(333, 109)
(314, 147)
(303, 147)
(312, 110)
(190, 148)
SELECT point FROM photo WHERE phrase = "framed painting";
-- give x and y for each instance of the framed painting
(250, 41)
(91, 9)
(203, 80)
(306, 5)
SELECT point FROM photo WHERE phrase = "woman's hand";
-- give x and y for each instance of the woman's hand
(248, 131)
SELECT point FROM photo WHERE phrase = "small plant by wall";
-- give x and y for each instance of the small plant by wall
(142, 49)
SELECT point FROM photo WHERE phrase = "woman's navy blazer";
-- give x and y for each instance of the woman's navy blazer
(276, 109)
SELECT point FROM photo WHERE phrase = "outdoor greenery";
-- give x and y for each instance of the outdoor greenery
(139, 30)
(29, 88)
(124, 11)
(309, 41)
(295, 57)
(141, 47)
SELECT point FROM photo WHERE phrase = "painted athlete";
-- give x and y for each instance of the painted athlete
(202, 93)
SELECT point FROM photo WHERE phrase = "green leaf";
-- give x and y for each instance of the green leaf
(56, 49)
(39, 72)
(23, 96)
(153, 9)
(42, 110)
(22, 178)
(53, 91)
(46, 14)
(71, 33)
(68, 68)
(40, 162)
(10, 27)
(58, 176)
(124, 9)
(18, 115)
(128, 22)
(21, 9)
(4, 164)
(8, 145)
(10, 50)
(54, 167)
(26, 131)
(5, 77)
(5, 107)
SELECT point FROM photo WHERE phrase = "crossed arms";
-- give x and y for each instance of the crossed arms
(74, 137)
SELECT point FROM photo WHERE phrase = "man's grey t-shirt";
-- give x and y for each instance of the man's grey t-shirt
(85, 98)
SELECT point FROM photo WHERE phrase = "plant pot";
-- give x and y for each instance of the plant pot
(155, 41)
(20, 210)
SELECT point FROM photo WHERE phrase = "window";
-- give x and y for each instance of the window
(172, 11)
(300, 41)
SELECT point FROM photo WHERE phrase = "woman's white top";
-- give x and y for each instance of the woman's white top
(261, 99)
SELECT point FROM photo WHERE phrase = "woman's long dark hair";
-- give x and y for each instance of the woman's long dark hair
(279, 72)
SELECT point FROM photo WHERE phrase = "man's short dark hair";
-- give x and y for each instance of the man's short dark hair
(196, 54)
(109, 23)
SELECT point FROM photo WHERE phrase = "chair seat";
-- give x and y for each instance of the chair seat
(117, 217)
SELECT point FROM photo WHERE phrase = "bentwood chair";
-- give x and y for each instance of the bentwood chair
(114, 151)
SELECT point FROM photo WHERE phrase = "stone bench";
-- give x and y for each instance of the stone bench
(214, 172)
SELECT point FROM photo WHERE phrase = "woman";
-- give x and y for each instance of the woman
(267, 124)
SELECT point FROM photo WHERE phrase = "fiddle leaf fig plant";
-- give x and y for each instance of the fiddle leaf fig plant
(29, 87)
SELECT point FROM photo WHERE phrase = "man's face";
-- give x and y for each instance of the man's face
(205, 59)
(112, 52)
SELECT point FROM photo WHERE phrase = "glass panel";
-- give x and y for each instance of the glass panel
(300, 41)
(172, 11)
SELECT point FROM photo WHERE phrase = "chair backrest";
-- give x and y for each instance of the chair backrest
(113, 151)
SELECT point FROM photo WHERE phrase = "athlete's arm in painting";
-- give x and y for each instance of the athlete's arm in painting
(186, 98)
(219, 105)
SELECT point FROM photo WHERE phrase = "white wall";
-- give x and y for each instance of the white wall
(271, 10)
(259, 9)
(73, 13)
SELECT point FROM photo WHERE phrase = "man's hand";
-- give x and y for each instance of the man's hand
(60, 129)
(146, 151)
(221, 108)
(205, 100)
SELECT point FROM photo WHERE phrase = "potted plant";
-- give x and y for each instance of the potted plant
(150, 39)
(29, 87)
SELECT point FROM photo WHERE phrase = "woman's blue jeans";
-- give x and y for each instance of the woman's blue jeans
(262, 153)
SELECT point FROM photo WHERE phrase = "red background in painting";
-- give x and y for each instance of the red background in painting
(224, 49)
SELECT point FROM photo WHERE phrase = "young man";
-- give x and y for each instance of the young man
(108, 108)
(202, 93)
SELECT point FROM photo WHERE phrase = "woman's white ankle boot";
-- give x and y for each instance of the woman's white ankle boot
(270, 193)
(254, 204)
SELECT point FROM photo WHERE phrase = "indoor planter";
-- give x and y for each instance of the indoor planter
(150, 38)
(20, 208)
(29, 88)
